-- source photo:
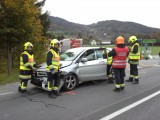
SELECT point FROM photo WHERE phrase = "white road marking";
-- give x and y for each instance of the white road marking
(130, 106)
(5, 93)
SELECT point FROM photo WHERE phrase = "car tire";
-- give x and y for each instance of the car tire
(70, 82)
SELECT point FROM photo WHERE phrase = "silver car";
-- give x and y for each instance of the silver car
(77, 65)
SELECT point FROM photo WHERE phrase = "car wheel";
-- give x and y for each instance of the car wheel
(70, 82)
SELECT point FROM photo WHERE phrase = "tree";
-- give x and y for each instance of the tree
(45, 21)
(19, 23)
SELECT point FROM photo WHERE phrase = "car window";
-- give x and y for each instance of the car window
(99, 54)
(90, 55)
(70, 54)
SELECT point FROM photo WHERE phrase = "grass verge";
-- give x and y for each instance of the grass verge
(13, 77)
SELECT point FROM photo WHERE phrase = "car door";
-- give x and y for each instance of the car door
(95, 66)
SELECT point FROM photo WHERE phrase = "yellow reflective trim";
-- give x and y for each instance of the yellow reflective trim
(23, 87)
(118, 85)
(55, 88)
(110, 75)
(131, 76)
(24, 76)
(122, 85)
(49, 87)
(136, 77)
(50, 66)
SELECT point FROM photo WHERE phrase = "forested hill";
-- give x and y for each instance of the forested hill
(108, 27)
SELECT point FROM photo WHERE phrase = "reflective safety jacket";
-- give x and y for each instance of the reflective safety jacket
(55, 64)
(109, 59)
(26, 68)
(29, 64)
(134, 56)
(119, 61)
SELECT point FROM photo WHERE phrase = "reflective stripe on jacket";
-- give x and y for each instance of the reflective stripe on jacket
(134, 56)
(119, 61)
(29, 63)
(55, 62)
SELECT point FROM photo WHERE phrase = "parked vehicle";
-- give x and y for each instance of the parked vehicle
(77, 65)
(71, 43)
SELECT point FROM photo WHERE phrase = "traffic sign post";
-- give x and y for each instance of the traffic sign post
(148, 46)
(149, 40)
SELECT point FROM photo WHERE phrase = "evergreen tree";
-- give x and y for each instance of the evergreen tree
(19, 23)
(44, 17)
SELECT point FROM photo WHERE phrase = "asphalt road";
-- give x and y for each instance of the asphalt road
(90, 101)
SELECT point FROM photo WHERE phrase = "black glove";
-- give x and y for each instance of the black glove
(35, 65)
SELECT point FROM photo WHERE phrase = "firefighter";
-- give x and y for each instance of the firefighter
(109, 68)
(134, 57)
(119, 54)
(52, 69)
(27, 66)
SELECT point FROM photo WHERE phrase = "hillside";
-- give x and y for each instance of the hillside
(63, 26)
(100, 29)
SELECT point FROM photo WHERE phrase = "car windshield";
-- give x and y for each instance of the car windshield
(70, 54)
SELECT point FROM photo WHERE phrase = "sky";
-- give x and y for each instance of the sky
(145, 12)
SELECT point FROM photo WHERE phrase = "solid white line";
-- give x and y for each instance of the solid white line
(5, 93)
(130, 106)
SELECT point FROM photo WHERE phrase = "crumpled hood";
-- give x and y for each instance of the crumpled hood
(42, 66)
(63, 64)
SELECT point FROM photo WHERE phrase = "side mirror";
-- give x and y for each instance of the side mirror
(84, 60)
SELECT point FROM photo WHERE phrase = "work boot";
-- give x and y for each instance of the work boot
(130, 79)
(136, 81)
(116, 89)
(57, 93)
(21, 91)
(51, 95)
(122, 88)
(110, 80)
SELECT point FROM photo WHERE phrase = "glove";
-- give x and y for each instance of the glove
(54, 71)
(35, 65)
(34, 69)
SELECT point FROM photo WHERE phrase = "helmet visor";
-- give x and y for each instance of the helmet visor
(57, 44)
(29, 47)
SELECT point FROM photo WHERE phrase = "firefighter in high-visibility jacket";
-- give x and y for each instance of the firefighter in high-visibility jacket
(134, 57)
(52, 69)
(109, 68)
(119, 54)
(27, 66)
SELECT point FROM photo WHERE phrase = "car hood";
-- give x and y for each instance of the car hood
(63, 64)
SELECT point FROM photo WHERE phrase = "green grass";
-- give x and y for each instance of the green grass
(13, 77)
(154, 50)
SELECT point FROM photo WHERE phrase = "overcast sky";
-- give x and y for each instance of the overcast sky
(146, 12)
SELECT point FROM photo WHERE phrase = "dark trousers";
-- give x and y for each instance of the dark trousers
(109, 71)
(54, 79)
(119, 75)
(133, 70)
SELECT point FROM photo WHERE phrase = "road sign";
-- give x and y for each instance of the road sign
(149, 40)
